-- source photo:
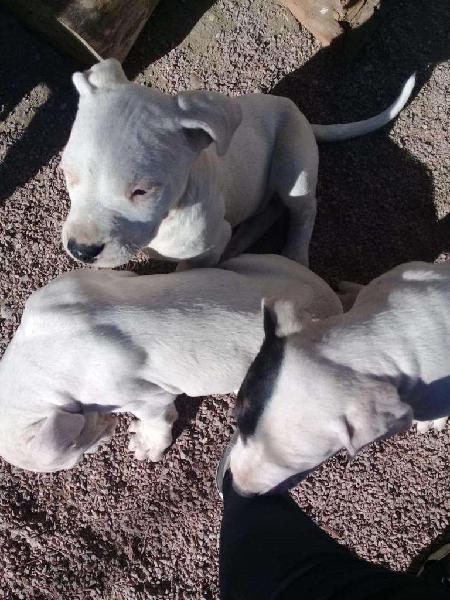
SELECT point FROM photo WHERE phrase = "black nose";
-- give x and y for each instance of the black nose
(84, 252)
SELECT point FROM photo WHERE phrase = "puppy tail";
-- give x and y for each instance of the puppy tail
(345, 131)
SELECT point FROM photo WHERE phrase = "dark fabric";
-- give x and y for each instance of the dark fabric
(270, 550)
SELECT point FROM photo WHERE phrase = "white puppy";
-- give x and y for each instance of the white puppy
(93, 343)
(175, 174)
(318, 386)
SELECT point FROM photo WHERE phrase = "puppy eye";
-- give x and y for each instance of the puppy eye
(138, 193)
(150, 189)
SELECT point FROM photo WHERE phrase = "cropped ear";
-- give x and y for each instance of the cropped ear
(374, 413)
(213, 116)
(57, 434)
(104, 75)
(284, 316)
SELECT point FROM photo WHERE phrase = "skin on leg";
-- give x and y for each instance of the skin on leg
(294, 179)
(213, 256)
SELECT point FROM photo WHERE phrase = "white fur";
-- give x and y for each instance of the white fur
(206, 162)
(354, 378)
(95, 343)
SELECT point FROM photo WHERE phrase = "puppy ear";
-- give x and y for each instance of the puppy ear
(209, 117)
(57, 435)
(104, 75)
(375, 413)
(284, 316)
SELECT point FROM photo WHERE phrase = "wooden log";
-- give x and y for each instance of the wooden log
(88, 30)
(360, 11)
(325, 18)
(318, 16)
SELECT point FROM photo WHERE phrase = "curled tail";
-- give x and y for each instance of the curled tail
(345, 131)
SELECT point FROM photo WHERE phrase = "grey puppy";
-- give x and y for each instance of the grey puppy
(175, 174)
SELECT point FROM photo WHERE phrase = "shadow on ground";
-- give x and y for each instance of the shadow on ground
(24, 66)
(418, 560)
(169, 25)
(368, 224)
(187, 409)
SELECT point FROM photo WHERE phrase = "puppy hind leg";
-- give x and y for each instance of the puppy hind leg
(251, 230)
(294, 178)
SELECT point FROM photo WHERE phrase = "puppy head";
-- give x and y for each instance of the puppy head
(294, 411)
(56, 442)
(128, 160)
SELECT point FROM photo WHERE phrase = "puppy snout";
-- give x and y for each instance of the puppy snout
(84, 252)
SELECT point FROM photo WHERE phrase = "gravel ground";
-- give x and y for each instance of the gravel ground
(116, 529)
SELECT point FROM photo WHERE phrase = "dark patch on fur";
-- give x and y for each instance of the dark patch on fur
(257, 387)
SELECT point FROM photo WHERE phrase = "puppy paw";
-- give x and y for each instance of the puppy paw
(439, 424)
(148, 442)
(423, 426)
(436, 424)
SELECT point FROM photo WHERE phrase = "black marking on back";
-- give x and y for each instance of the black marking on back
(257, 387)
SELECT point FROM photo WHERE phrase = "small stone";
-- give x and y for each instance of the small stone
(6, 311)
(195, 82)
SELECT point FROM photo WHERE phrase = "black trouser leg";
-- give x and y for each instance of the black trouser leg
(269, 549)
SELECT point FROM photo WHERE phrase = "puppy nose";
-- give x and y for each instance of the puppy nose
(84, 252)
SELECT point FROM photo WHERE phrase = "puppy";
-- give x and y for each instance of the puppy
(169, 173)
(320, 385)
(95, 343)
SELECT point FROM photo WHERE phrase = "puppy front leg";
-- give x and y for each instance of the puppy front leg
(212, 257)
(152, 436)
(152, 432)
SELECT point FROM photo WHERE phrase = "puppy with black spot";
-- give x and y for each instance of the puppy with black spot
(320, 385)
